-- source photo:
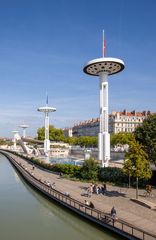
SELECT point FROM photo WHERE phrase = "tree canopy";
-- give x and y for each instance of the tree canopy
(83, 141)
(3, 142)
(120, 138)
(136, 162)
(90, 169)
(55, 134)
(146, 135)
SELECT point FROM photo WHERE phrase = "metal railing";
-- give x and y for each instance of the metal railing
(118, 225)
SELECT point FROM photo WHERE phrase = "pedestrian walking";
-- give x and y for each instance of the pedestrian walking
(86, 203)
(113, 213)
(89, 192)
(91, 205)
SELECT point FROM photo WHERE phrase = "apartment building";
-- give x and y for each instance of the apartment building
(118, 122)
(126, 121)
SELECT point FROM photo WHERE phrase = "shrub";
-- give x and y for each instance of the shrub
(112, 174)
(89, 170)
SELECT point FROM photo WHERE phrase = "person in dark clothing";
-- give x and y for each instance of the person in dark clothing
(113, 212)
(60, 174)
(86, 203)
(91, 205)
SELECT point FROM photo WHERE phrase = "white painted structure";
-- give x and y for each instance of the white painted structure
(24, 127)
(46, 110)
(14, 139)
(17, 139)
(103, 67)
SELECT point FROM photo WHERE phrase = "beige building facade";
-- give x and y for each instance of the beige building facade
(126, 121)
(118, 122)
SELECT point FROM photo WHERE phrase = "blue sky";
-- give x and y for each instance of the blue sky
(44, 45)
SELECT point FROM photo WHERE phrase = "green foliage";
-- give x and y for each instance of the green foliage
(87, 141)
(3, 142)
(71, 170)
(41, 133)
(70, 140)
(90, 169)
(127, 169)
(83, 141)
(120, 138)
(146, 135)
(136, 161)
(55, 134)
(113, 175)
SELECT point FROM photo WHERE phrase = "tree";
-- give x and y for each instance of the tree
(120, 138)
(41, 133)
(83, 141)
(87, 141)
(55, 134)
(90, 169)
(70, 140)
(3, 142)
(128, 170)
(136, 163)
(146, 135)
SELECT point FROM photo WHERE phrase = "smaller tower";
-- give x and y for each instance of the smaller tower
(24, 127)
(14, 139)
(46, 110)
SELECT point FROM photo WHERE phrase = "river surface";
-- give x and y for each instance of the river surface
(27, 215)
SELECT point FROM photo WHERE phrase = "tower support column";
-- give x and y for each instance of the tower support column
(46, 141)
(14, 141)
(46, 110)
(24, 133)
(104, 136)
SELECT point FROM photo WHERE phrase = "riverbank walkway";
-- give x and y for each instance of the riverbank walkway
(127, 210)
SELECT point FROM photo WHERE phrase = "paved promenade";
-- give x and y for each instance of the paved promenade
(127, 210)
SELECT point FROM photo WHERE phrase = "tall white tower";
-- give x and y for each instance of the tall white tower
(46, 110)
(24, 127)
(103, 67)
(14, 139)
